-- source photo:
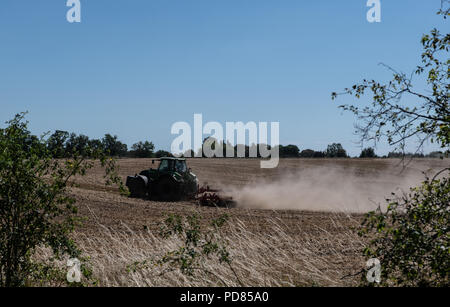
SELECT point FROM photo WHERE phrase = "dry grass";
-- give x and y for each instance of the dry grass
(268, 247)
(280, 257)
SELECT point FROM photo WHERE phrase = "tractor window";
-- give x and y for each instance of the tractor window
(164, 165)
(180, 166)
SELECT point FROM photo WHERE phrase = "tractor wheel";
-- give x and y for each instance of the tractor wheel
(137, 186)
(168, 189)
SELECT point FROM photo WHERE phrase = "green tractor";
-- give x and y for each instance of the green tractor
(171, 181)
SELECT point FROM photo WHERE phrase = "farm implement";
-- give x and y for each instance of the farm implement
(173, 181)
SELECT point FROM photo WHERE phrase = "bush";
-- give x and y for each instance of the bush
(113, 146)
(307, 153)
(368, 153)
(162, 153)
(411, 239)
(289, 151)
(335, 150)
(198, 243)
(142, 150)
(35, 207)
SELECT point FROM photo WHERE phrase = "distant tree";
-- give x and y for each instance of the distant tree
(213, 144)
(142, 149)
(263, 149)
(307, 153)
(76, 144)
(402, 155)
(56, 143)
(162, 153)
(289, 151)
(436, 154)
(188, 153)
(96, 144)
(319, 154)
(252, 149)
(113, 146)
(82, 144)
(393, 154)
(70, 145)
(335, 150)
(241, 148)
(368, 153)
(228, 147)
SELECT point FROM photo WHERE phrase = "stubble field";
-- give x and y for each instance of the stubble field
(293, 226)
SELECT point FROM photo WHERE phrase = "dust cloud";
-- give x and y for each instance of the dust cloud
(336, 189)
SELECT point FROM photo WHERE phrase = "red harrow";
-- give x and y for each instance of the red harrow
(209, 197)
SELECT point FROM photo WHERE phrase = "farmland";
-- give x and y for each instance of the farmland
(293, 226)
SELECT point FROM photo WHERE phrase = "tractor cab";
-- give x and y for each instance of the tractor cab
(172, 165)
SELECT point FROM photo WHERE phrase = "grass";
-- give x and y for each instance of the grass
(284, 257)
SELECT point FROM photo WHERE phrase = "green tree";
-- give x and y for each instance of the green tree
(35, 206)
(319, 154)
(113, 146)
(210, 143)
(96, 145)
(368, 153)
(307, 153)
(81, 145)
(188, 153)
(198, 243)
(57, 142)
(436, 154)
(335, 150)
(143, 149)
(391, 113)
(162, 153)
(411, 239)
(289, 151)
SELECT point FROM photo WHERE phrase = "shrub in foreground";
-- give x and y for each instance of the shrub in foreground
(36, 209)
(412, 239)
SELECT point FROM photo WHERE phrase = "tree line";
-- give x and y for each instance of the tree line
(334, 150)
(64, 144)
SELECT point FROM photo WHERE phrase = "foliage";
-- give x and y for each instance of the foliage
(199, 243)
(56, 143)
(402, 155)
(436, 154)
(289, 151)
(51, 272)
(335, 150)
(113, 146)
(35, 207)
(64, 145)
(389, 116)
(188, 154)
(319, 154)
(412, 238)
(368, 153)
(162, 153)
(307, 153)
(142, 149)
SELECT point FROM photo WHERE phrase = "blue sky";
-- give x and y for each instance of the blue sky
(134, 67)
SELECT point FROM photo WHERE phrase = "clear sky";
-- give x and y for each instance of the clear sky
(134, 67)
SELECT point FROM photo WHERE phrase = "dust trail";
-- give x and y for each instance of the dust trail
(336, 189)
